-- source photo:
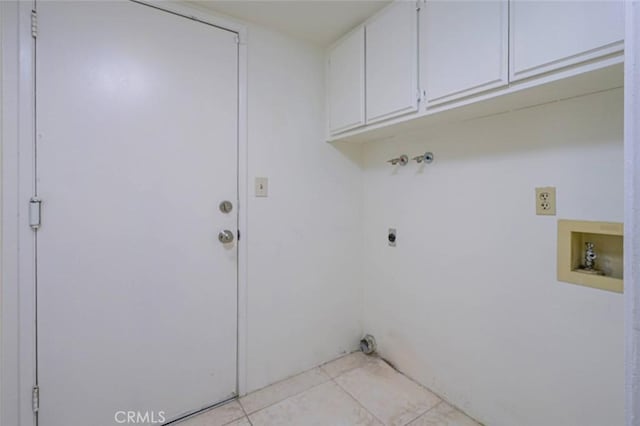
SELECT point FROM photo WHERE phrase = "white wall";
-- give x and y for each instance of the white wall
(468, 303)
(304, 239)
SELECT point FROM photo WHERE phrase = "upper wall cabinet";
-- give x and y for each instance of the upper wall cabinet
(548, 35)
(346, 83)
(463, 48)
(392, 62)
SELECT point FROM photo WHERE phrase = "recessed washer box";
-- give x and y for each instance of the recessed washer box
(607, 239)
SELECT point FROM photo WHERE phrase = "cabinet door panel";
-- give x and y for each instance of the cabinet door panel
(463, 48)
(346, 83)
(548, 35)
(392, 62)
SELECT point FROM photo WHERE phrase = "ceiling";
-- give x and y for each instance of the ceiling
(319, 21)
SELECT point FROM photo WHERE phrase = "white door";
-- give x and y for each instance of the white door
(136, 148)
(463, 48)
(346, 83)
(392, 62)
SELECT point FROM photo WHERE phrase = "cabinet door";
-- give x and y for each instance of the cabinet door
(548, 35)
(392, 62)
(346, 83)
(463, 48)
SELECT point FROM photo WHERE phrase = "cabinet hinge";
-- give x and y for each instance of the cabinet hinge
(237, 39)
(422, 95)
(418, 6)
(34, 24)
(35, 398)
(35, 205)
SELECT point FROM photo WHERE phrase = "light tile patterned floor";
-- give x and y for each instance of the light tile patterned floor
(353, 390)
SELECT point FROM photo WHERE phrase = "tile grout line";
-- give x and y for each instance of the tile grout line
(422, 414)
(333, 379)
(441, 400)
(370, 359)
(319, 367)
(290, 396)
(421, 386)
(201, 413)
(246, 416)
(440, 397)
(235, 420)
(224, 405)
(329, 379)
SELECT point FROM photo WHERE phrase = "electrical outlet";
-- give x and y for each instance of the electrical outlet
(546, 201)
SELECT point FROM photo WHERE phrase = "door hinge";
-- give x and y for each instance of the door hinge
(237, 39)
(34, 24)
(35, 205)
(35, 398)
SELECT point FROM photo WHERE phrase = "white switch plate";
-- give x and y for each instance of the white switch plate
(262, 187)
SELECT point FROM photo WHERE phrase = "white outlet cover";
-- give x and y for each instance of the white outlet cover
(262, 187)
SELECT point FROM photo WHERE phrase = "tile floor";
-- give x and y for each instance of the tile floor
(353, 390)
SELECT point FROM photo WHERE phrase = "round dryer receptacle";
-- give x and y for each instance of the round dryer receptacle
(368, 344)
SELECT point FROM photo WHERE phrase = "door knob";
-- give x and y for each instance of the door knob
(225, 237)
(226, 207)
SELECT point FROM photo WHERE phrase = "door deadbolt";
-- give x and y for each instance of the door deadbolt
(225, 237)
(226, 206)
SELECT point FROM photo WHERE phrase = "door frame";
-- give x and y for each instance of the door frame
(18, 366)
(632, 212)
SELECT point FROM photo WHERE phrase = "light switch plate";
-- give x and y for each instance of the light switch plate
(546, 201)
(262, 187)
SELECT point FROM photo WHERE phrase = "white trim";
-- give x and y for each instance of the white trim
(394, 126)
(17, 256)
(243, 216)
(195, 12)
(557, 64)
(18, 261)
(569, 61)
(632, 212)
